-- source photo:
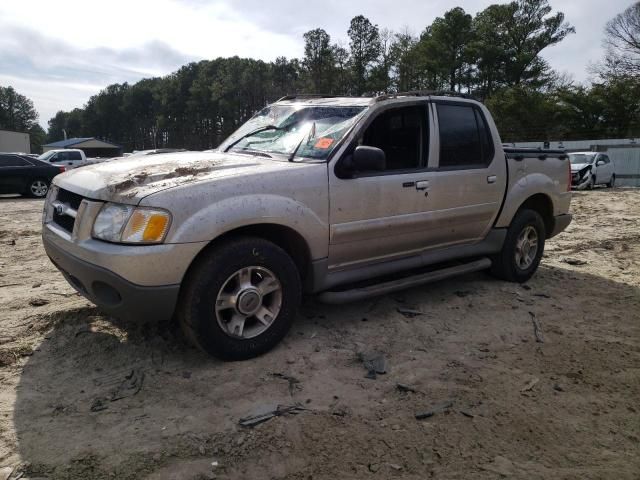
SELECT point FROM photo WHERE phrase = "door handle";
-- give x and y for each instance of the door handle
(492, 179)
(422, 185)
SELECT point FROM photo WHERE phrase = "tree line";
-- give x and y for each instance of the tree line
(18, 114)
(494, 56)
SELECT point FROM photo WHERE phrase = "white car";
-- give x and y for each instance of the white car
(589, 169)
(69, 158)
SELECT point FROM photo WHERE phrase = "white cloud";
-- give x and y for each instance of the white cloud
(60, 52)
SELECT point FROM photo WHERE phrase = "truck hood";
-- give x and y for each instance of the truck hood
(129, 181)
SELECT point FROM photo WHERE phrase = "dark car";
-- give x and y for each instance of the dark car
(26, 175)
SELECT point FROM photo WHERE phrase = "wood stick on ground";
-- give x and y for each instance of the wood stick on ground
(537, 329)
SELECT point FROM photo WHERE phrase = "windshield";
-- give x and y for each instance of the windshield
(581, 158)
(45, 156)
(280, 129)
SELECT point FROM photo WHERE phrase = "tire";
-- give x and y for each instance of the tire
(612, 182)
(592, 183)
(37, 188)
(507, 265)
(226, 285)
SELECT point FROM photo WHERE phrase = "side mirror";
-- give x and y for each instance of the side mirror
(599, 162)
(367, 159)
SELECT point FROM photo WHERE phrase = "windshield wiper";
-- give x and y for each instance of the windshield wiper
(256, 152)
(308, 136)
(253, 132)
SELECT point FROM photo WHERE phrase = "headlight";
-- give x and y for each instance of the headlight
(126, 224)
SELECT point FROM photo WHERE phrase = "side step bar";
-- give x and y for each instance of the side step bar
(346, 296)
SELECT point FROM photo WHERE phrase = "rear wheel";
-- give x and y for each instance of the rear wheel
(522, 249)
(38, 188)
(240, 299)
(612, 182)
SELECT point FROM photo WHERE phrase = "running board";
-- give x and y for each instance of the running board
(403, 283)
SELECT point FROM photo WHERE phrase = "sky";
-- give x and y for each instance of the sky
(60, 52)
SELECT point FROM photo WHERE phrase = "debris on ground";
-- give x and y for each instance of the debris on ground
(130, 386)
(253, 420)
(443, 407)
(375, 363)
(537, 329)
(38, 302)
(294, 383)
(529, 386)
(462, 293)
(98, 405)
(574, 261)
(405, 388)
(466, 413)
(410, 312)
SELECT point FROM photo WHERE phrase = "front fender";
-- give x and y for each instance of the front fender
(231, 213)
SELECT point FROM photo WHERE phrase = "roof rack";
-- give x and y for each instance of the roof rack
(302, 96)
(424, 93)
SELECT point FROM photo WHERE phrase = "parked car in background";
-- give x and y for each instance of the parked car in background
(346, 198)
(70, 158)
(26, 175)
(22, 154)
(589, 169)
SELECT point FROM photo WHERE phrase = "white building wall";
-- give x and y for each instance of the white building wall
(14, 142)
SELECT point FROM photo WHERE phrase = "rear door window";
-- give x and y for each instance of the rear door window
(12, 161)
(465, 140)
(74, 156)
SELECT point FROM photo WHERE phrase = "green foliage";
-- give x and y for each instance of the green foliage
(364, 42)
(16, 111)
(445, 50)
(318, 60)
(37, 137)
(495, 55)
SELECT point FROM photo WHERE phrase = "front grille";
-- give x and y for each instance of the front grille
(64, 221)
(70, 198)
(71, 201)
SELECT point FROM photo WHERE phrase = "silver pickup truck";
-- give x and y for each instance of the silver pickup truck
(340, 197)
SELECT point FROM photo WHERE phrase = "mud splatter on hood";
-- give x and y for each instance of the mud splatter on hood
(128, 181)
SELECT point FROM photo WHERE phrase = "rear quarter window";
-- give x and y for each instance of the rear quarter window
(465, 139)
(12, 161)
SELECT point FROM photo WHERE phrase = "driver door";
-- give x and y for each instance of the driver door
(379, 215)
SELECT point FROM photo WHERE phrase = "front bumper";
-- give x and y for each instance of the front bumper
(561, 222)
(137, 282)
(112, 293)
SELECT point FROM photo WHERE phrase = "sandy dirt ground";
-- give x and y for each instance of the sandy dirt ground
(84, 396)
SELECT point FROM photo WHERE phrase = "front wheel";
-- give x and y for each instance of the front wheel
(523, 248)
(38, 188)
(240, 298)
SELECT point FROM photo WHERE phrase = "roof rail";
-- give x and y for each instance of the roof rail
(424, 93)
(305, 95)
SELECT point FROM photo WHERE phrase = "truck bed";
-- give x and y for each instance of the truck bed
(521, 153)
